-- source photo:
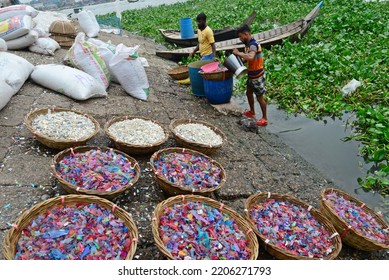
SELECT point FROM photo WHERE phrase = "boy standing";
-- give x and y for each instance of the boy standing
(256, 78)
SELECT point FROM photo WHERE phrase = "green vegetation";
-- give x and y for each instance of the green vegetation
(372, 130)
(349, 40)
(220, 13)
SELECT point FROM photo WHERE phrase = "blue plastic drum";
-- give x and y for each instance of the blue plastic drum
(186, 28)
(218, 92)
(196, 80)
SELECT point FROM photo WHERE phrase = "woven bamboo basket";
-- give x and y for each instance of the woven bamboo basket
(13, 235)
(63, 27)
(73, 189)
(175, 189)
(243, 225)
(348, 234)
(182, 142)
(63, 41)
(179, 72)
(217, 75)
(64, 32)
(133, 149)
(281, 253)
(56, 143)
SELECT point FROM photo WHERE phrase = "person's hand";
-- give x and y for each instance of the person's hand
(235, 51)
(191, 54)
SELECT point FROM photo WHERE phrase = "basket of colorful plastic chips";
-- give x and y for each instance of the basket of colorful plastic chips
(291, 229)
(61, 128)
(358, 225)
(72, 227)
(185, 171)
(99, 171)
(197, 135)
(136, 135)
(192, 227)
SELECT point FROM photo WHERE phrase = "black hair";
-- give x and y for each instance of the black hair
(244, 28)
(201, 16)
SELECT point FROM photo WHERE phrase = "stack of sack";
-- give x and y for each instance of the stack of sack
(125, 67)
(63, 32)
(103, 62)
(94, 65)
(16, 28)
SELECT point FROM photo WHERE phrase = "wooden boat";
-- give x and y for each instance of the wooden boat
(174, 36)
(294, 31)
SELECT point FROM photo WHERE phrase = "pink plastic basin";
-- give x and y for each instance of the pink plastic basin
(210, 67)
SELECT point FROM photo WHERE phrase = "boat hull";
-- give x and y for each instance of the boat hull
(294, 32)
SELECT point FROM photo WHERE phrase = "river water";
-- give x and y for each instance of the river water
(109, 7)
(318, 142)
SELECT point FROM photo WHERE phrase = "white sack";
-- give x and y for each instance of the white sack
(130, 72)
(87, 24)
(144, 61)
(45, 46)
(106, 50)
(15, 27)
(41, 32)
(23, 42)
(14, 71)
(106, 54)
(84, 56)
(17, 10)
(68, 81)
(3, 46)
(45, 18)
(100, 43)
(94, 20)
(96, 42)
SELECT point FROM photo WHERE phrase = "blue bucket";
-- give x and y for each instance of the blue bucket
(218, 92)
(186, 28)
(196, 80)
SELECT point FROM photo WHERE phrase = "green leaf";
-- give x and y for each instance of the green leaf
(380, 155)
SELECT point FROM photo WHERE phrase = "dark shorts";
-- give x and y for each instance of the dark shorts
(258, 85)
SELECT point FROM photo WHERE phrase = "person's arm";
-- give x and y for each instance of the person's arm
(192, 53)
(213, 49)
(245, 56)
